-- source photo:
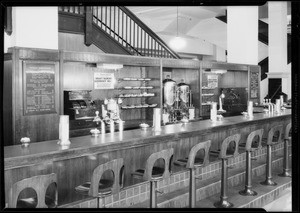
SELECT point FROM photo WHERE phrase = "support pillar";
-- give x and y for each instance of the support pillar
(34, 27)
(242, 34)
(278, 67)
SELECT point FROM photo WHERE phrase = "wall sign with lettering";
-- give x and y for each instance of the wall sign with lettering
(39, 88)
(104, 80)
(212, 81)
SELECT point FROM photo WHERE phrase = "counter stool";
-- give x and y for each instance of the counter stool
(223, 203)
(155, 174)
(287, 138)
(101, 188)
(248, 183)
(192, 163)
(270, 142)
(39, 184)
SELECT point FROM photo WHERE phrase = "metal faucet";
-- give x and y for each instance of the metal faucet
(98, 120)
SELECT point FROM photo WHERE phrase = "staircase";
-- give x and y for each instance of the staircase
(264, 38)
(113, 29)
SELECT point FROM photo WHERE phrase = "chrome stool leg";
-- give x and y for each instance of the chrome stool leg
(286, 170)
(192, 188)
(248, 186)
(102, 198)
(153, 185)
(223, 203)
(153, 192)
(269, 181)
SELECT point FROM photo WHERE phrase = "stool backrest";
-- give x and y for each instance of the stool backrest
(202, 145)
(251, 136)
(164, 154)
(115, 166)
(271, 134)
(235, 138)
(287, 131)
(39, 184)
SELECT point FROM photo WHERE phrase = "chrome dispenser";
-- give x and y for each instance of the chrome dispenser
(177, 101)
(169, 98)
(111, 112)
(185, 108)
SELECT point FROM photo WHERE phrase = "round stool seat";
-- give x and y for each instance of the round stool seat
(32, 202)
(104, 187)
(183, 162)
(156, 172)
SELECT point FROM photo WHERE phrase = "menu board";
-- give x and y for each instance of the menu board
(39, 88)
(254, 84)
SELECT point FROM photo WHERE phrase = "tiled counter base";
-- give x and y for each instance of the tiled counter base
(176, 187)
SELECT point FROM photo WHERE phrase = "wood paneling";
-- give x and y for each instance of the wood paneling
(110, 58)
(70, 23)
(75, 42)
(38, 127)
(224, 65)
(233, 79)
(7, 103)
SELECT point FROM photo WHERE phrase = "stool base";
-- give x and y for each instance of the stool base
(223, 204)
(268, 182)
(248, 192)
(285, 174)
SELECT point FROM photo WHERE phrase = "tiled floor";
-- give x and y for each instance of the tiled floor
(284, 203)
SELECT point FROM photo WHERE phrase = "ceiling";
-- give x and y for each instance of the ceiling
(192, 22)
(193, 12)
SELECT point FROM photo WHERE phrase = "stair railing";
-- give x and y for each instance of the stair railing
(127, 29)
(131, 32)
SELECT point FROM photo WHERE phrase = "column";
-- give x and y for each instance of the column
(34, 27)
(278, 68)
(242, 34)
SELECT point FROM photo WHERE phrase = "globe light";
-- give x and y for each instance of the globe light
(177, 43)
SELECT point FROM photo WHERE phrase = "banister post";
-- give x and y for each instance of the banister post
(8, 20)
(88, 26)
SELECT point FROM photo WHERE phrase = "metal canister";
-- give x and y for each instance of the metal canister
(169, 90)
(184, 91)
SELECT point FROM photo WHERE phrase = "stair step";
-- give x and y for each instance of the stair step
(265, 194)
(210, 186)
(283, 203)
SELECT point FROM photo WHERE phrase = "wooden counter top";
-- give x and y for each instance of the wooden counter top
(18, 156)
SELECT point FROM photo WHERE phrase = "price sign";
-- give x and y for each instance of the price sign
(104, 80)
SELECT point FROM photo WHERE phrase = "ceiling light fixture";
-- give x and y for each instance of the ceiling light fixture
(177, 43)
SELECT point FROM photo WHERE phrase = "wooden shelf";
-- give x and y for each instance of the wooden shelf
(135, 79)
(208, 94)
(138, 107)
(136, 96)
(135, 88)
